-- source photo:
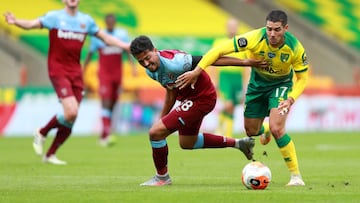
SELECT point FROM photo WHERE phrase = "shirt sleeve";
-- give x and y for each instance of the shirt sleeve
(301, 67)
(93, 44)
(126, 36)
(243, 42)
(92, 27)
(150, 74)
(213, 54)
(49, 20)
(249, 40)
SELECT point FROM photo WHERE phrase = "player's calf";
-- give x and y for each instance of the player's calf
(265, 137)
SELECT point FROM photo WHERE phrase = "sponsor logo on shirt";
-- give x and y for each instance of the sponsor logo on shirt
(111, 50)
(70, 35)
(271, 55)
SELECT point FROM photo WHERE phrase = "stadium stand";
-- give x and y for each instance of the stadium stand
(326, 55)
(172, 31)
(190, 25)
(338, 18)
(20, 63)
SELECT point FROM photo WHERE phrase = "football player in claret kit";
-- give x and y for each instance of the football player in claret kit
(165, 66)
(110, 73)
(271, 91)
(68, 29)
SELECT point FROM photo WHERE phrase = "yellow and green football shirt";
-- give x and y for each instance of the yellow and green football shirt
(283, 61)
(230, 78)
(240, 55)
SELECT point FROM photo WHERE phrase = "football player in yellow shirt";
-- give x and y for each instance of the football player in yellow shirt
(271, 91)
(231, 82)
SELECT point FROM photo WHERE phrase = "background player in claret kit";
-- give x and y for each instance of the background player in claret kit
(67, 32)
(232, 82)
(195, 103)
(271, 91)
(109, 73)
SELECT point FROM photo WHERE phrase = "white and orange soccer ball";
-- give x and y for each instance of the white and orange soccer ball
(256, 175)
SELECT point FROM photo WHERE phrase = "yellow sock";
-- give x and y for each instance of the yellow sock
(288, 152)
(229, 124)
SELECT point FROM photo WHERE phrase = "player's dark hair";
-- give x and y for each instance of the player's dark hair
(141, 44)
(110, 15)
(277, 16)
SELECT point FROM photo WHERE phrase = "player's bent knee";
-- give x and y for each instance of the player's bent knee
(251, 132)
(153, 134)
(277, 132)
(156, 134)
(70, 116)
(187, 146)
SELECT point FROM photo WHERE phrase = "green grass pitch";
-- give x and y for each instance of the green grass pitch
(330, 165)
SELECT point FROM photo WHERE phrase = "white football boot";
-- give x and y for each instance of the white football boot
(38, 143)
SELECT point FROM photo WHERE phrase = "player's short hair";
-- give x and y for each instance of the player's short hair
(277, 16)
(141, 44)
(110, 15)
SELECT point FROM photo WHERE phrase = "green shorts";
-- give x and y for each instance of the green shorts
(260, 100)
(231, 86)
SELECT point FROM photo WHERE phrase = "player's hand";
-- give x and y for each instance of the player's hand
(9, 17)
(258, 63)
(188, 78)
(284, 106)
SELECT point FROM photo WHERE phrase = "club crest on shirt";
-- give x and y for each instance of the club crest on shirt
(64, 91)
(284, 57)
(82, 25)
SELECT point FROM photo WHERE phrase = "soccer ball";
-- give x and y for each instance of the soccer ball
(256, 175)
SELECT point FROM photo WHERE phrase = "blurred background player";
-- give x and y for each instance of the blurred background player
(231, 83)
(110, 73)
(271, 91)
(195, 102)
(68, 28)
